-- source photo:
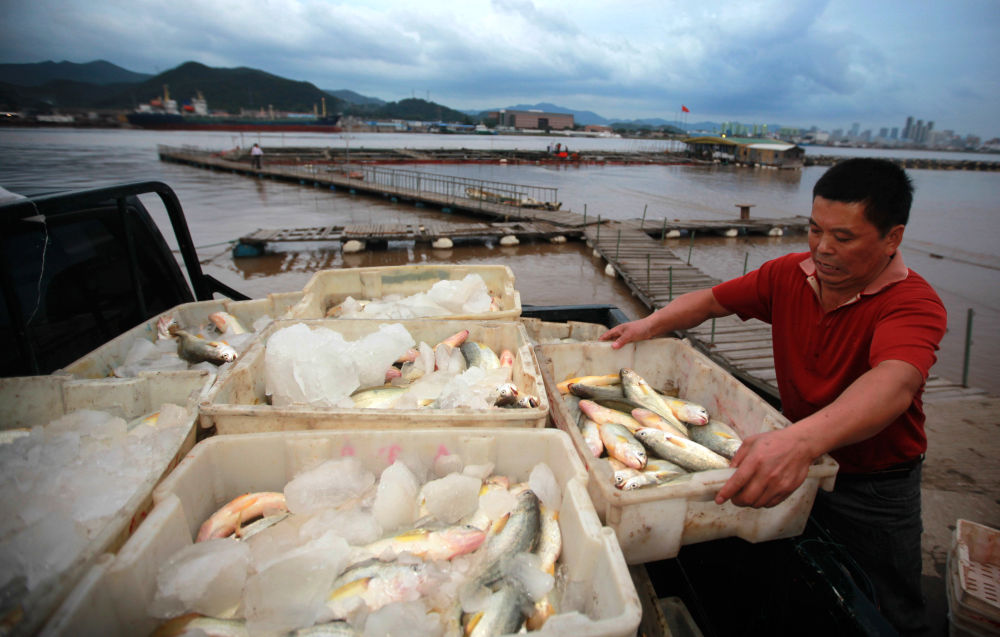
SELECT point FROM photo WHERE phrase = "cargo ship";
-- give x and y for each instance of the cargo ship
(163, 114)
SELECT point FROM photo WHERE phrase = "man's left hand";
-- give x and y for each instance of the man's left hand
(769, 467)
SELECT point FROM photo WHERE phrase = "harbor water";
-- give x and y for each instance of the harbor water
(951, 240)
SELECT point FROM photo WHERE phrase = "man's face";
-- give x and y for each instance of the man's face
(847, 248)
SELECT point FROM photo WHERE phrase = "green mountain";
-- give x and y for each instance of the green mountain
(414, 109)
(227, 89)
(54, 95)
(96, 72)
(354, 98)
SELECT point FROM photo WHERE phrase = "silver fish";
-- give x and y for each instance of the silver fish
(592, 436)
(479, 355)
(195, 349)
(639, 391)
(682, 451)
(622, 445)
(516, 533)
(194, 623)
(377, 397)
(719, 437)
(502, 615)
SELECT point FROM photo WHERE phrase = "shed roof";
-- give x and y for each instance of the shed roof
(777, 147)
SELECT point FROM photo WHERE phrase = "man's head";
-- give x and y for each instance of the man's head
(882, 187)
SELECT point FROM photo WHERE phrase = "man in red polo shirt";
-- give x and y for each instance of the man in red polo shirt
(854, 334)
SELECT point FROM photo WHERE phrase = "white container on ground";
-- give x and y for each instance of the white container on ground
(117, 595)
(546, 333)
(101, 362)
(328, 288)
(35, 401)
(653, 523)
(973, 580)
(237, 402)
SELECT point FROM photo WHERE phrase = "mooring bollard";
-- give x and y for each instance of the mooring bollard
(968, 347)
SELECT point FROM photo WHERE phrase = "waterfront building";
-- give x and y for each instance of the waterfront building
(537, 120)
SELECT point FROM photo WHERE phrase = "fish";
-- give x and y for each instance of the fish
(226, 322)
(327, 629)
(656, 421)
(592, 436)
(266, 522)
(548, 550)
(606, 379)
(719, 437)
(392, 372)
(686, 411)
(639, 391)
(231, 517)
(688, 454)
(479, 518)
(603, 415)
(163, 325)
(502, 615)
(381, 397)
(336, 310)
(455, 340)
(622, 445)
(621, 472)
(514, 533)
(507, 362)
(479, 355)
(523, 401)
(197, 624)
(507, 394)
(442, 544)
(195, 349)
(597, 392)
(657, 471)
(378, 584)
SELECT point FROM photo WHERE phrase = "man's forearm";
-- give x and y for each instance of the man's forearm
(686, 311)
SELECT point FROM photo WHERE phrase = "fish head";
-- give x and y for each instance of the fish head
(165, 327)
(224, 351)
(694, 414)
(463, 539)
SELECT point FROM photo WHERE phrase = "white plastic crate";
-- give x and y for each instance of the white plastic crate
(328, 288)
(113, 600)
(237, 402)
(973, 579)
(101, 362)
(652, 523)
(34, 401)
(546, 332)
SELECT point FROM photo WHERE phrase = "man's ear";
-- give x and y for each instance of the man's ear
(893, 238)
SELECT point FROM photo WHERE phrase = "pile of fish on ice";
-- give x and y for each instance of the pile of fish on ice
(624, 419)
(64, 483)
(189, 347)
(469, 295)
(387, 369)
(341, 553)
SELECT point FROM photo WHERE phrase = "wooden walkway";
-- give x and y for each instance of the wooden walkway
(653, 272)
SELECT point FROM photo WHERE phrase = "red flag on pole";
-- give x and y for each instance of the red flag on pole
(685, 109)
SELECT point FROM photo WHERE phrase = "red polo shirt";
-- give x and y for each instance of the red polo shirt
(818, 354)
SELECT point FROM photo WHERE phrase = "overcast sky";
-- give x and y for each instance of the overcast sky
(797, 63)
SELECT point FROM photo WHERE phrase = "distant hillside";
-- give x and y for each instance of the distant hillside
(227, 89)
(55, 95)
(355, 98)
(411, 109)
(96, 72)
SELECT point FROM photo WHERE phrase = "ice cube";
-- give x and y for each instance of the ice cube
(330, 484)
(403, 619)
(375, 352)
(543, 482)
(396, 497)
(452, 497)
(207, 577)
(448, 463)
(356, 526)
(289, 592)
(306, 366)
(525, 570)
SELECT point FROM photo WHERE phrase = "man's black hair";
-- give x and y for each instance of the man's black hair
(881, 185)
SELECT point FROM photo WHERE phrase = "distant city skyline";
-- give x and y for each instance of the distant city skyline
(800, 63)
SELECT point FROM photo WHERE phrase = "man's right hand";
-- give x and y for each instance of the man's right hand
(627, 333)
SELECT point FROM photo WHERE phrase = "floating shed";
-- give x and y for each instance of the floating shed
(747, 150)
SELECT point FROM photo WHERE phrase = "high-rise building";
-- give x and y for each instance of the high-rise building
(895, 133)
(855, 127)
(908, 129)
(883, 132)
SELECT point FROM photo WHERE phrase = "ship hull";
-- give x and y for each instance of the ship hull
(179, 122)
